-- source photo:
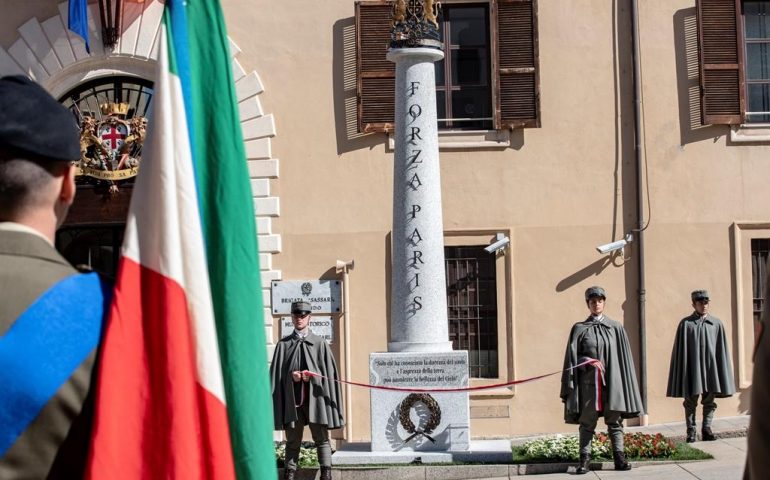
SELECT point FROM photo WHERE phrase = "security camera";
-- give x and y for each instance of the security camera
(617, 245)
(501, 241)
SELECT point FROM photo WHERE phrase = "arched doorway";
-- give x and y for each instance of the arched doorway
(112, 114)
(56, 58)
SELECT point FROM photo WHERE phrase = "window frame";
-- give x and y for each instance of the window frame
(484, 314)
(506, 338)
(514, 69)
(742, 233)
(723, 98)
(718, 102)
(758, 281)
(448, 87)
(743, 58)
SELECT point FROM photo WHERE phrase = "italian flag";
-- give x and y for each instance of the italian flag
(183, 389)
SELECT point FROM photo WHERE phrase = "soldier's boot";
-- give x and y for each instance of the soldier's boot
(288, 474)
(691, 435)
(707, 435)
(585, 460)
(620, 461)
(326, 473)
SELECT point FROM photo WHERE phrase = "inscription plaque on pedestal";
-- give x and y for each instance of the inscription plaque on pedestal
(404, 429)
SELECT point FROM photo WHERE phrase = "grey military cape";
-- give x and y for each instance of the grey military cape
(700, 359)
(324, 395)
(615, 353)
(55, 444)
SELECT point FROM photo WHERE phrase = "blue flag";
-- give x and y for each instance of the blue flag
(78, 20)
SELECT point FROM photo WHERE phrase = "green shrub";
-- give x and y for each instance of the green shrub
(567, 448)
(308, 455)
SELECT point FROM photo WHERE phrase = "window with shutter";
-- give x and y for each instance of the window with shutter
(487, 80)
(734, 39)
(518, 100)
(756, 28)
(720, 69)
(376, 75)
(463, 77)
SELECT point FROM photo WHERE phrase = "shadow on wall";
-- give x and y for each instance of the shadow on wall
(623, 173)
(744, 401)
(688, 80)
(592, 270)
(344, 85)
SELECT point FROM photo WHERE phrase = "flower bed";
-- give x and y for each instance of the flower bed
(308, 455)
(566, 448)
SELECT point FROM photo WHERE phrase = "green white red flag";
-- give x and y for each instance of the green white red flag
(183, 388)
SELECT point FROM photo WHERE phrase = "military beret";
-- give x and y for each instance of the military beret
(595, 292)
(699, 295)
(33, 123)
(300, 307)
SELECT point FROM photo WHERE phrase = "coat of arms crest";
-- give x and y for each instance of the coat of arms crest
(110, 149)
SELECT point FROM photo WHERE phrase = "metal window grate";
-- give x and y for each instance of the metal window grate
(760, 251)
(472, 307)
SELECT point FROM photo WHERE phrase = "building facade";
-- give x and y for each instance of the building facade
(538, 145)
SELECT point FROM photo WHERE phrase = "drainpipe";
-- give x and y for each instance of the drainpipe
(639, 156)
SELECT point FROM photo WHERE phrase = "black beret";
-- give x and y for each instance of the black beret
(33, 123)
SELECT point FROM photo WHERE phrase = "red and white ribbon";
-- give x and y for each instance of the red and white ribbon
(591, 361)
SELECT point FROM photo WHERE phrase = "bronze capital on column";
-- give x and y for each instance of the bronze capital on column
(414, 23)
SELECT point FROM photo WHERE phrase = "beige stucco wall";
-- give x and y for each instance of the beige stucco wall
(560, 190)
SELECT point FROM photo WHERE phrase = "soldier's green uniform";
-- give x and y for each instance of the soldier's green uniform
(49, 331)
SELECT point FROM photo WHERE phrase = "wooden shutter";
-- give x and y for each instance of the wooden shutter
(376, 75)
(721, 74)
(517, 97)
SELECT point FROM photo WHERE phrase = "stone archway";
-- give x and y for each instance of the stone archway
(56, 58)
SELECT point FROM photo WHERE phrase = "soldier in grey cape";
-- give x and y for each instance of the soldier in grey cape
(300, 399)
(700, 365)
(586, 394)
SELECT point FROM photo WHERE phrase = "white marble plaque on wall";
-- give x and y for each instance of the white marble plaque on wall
(324, 296)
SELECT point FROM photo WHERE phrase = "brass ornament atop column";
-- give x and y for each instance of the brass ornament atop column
(414, 23)
(110, 11)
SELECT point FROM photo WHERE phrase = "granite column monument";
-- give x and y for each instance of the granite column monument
(419, 353)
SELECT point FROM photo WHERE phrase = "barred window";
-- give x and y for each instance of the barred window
(472, 307)
(760, 250)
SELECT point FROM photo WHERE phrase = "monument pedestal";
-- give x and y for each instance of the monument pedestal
(419, 422)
